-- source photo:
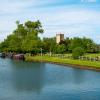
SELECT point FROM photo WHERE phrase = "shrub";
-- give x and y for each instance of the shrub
(77, 52)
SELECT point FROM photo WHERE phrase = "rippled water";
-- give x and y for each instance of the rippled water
(42, 81)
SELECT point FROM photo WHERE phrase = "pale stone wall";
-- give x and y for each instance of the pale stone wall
(59, 38)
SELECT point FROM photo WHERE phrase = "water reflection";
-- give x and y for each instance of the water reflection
(28, 76)
(78, 76)
(39, 81)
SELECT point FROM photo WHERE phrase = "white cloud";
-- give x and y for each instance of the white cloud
(72, 20)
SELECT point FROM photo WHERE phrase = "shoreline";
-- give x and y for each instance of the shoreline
(84, 67)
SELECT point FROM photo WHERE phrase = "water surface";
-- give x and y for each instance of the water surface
(42, 81)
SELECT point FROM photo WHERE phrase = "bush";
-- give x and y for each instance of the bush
(77, 52)
(60, 49)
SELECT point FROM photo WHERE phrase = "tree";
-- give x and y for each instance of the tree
(60, 49)
(77, 52)
(34, 27)
(49, 44)
(20, 32)
(75, 42)
(31, 44)
(17, 22)
(89, 45)
(24, 38)
(67, 43)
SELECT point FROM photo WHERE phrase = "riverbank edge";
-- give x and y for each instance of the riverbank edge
(64, 64)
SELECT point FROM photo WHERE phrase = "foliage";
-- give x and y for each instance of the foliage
(67, 46)
(77, 52)
(49, 44)
(24, 38)
(60, 49)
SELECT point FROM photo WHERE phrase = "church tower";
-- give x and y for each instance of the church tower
(59, 38)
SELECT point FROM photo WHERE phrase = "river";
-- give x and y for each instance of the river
(21, 80)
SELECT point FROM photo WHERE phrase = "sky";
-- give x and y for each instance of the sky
(72, 17)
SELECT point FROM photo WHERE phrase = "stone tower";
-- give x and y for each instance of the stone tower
(59, 38)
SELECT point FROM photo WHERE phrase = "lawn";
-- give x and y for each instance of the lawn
(89, 64)
(93, 55)
(87, 55)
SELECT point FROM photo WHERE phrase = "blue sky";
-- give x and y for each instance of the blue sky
(71, 17)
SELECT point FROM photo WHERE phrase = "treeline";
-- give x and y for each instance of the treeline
(24, 39)
(69, 44)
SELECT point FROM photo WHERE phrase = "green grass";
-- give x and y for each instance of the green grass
(87, 55)
(90, 64)
(93, 55)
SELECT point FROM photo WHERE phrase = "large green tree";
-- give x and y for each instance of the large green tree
(24, 38)
(49, 44)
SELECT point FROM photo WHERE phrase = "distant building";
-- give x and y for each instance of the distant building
(59, 38)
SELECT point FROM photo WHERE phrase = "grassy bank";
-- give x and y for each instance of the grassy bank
(74, 63)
